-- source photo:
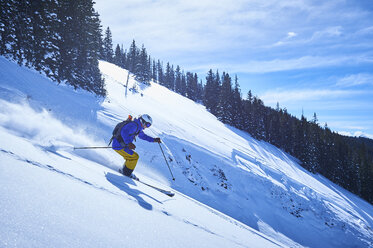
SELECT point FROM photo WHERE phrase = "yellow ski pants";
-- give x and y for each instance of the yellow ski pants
(130, 160)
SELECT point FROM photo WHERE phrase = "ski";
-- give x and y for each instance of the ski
(133, 177)
(166, 192)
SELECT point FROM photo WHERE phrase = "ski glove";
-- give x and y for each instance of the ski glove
(131, 146)
(158, 140)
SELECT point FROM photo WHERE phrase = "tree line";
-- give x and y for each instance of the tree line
(347, 161)
(61, 38)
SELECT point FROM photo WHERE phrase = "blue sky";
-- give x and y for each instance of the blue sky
(310, 56)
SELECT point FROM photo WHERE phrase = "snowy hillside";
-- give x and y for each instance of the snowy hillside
(51, 195)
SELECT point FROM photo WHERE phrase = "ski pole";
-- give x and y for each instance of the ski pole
(94, 147)
(173, 178)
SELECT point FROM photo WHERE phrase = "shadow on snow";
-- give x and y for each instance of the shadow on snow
(123, 183)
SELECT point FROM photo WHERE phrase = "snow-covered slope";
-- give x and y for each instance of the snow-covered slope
(51, 195)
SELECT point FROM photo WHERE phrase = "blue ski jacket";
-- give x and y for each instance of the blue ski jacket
(129, 133)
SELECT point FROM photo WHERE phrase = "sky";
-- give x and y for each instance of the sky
(309, 56)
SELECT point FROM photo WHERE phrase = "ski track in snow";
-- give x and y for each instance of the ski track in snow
(118, 181)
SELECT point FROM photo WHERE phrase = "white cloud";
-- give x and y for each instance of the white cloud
(355, 80)
(291, 35)
(324, 35)
(303, 95)
(365, 31)
(276, 65)
(208, 24)
(328, 32)
(356, 134)
(178, 25)
(248, 31)
(286, 40)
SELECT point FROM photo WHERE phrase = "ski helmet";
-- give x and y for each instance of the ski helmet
(146, 120)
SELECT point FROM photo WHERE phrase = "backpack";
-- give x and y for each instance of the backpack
(117, 131)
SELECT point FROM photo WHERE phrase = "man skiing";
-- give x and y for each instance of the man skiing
(123, 142)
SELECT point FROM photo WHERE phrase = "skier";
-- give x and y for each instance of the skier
(123, 142)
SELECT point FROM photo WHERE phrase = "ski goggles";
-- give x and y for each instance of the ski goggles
(144, 123)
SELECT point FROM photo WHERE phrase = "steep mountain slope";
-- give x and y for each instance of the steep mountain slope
(57, 199)
(51, 196)
(222, 167)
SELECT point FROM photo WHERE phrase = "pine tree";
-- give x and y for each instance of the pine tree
(225, 104)
(160, 73)
(95, 44)
(108, 46)
(133, 57)
(196, 87)
(327, 150)
(118, 56)
(208, 99)
(44, 38)
(172, 79)
(7, 29)
(142, 71)
(149, 69)
(200, 89)
(154, 71)
(86, 72)
(212, 92)
(365, 173)
(302, 142)
(178, 80)
(248, 114)
(237, 115)
(183, 85)
(167, 77)
(273, 126)
(37, 42)
(191, 84)
(314, 141)
(258, 118)
(66, 43)
(123, 61)
(216, 93)
(22, 33)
